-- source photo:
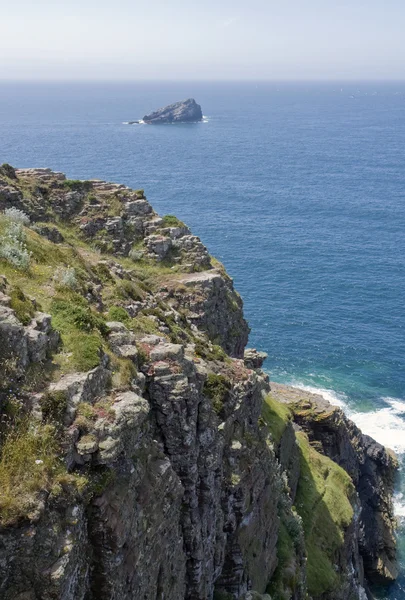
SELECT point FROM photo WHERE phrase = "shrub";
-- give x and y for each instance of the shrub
(103, 272)
(66, 277)
(217, 388)
(210, 351)
(17, 216)
(8, 171)
(13, 246)
(136, 254)
(67, 314)
(53, 406)
(172, 221)
(78, 185)
(15, 253)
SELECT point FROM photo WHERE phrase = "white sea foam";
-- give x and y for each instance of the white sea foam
(335, 398)
(386, 424)
(399, 505)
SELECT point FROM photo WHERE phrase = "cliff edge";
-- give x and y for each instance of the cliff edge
(143, 451)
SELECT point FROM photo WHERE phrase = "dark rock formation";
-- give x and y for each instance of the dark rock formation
(187, 111)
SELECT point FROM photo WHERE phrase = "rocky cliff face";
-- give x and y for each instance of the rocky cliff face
(143, 453)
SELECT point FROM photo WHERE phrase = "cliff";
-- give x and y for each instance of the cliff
(144, 453)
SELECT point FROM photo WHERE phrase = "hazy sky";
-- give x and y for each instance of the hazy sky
(215, 39)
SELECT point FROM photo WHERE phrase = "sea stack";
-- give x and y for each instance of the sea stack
(187, 111)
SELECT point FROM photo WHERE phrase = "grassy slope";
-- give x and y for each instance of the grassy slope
(323, 501)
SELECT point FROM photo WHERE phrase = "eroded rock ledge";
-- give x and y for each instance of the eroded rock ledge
(144, 453)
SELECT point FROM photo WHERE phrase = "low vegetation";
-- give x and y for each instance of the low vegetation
(78, 185)
(81, 329)
(217, 388)
(13, 241)
(172, 221)
(276, 416)
(324, 502)
(30, 466)
(23, 307)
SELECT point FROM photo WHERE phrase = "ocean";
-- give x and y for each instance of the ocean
(298, 188)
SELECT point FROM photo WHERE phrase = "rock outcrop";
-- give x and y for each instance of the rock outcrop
(143, 452)
(371, 541)
(187, 111)
(371, 467)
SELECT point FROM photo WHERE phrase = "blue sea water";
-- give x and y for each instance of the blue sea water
(298, 188)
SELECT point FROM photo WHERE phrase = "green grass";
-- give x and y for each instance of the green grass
(284, 578)
(81, 330)
(117, 313)
(144, 324)
(77, 185)
(276, 416)
(23, 307)
(31, 463)
(210, 351)
(172, 221)
(323, 501)
(73, 311)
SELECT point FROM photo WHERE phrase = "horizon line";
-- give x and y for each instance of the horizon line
(203, 80)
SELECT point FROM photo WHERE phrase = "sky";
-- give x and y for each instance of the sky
(211, 40)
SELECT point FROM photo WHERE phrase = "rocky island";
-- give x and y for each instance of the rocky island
(144, 453)
(187, 111)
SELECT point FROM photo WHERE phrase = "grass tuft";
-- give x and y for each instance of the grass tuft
(22, 306)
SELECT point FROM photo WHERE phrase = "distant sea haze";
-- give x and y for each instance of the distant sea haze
(299, 189)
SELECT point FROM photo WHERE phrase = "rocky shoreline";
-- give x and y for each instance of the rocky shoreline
(144, 452)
